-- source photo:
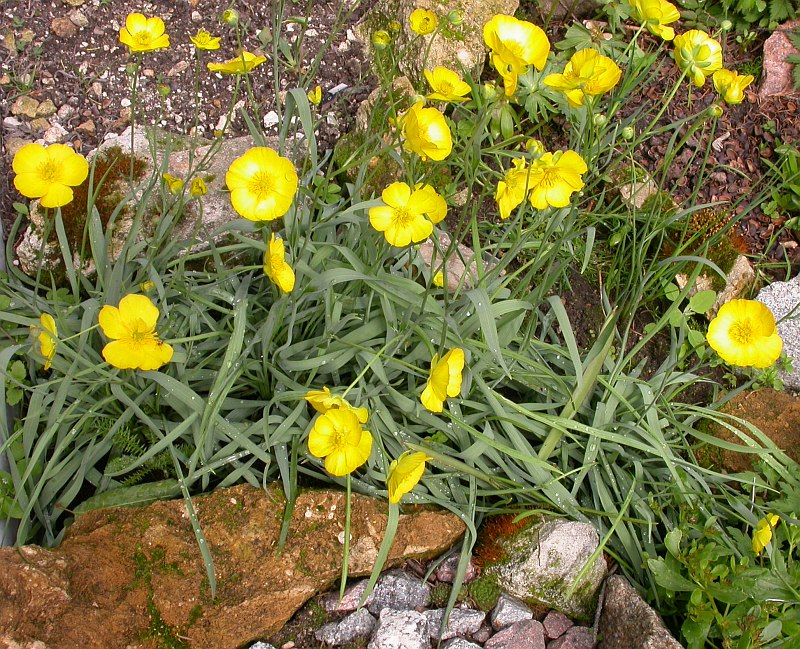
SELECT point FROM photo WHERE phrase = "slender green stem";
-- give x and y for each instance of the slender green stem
(346, 551)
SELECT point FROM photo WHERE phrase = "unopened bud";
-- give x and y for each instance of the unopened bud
(726, 25)
(600, 120)
(628, 133)
(455, 18)
(715, 110)
(230, 17)
(381, 39)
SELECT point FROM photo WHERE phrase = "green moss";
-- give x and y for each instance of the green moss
(484, 592)
(440, 594)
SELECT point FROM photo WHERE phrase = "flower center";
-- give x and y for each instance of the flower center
(742, 332)
(262, 185)
(48, 171)
(142, 37)
(402, 217)
(338, 441)
(446, 87)
(550, 178)
(139, 332)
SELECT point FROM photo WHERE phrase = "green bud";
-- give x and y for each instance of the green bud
(381, 39)
(230, 17)
(726, 25)
(715, 110)
(455, 18)
(600, 120)
(628, 133)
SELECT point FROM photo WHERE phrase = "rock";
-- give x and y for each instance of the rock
(74, 3)
(178, 68)
(39, 125)
(14, 144)
(400, 630)
(462, 621)
(460, 643)
(543, 562)
(88, 127)
(78, 18)
(261, 645)
(65, 112)
(776, 77)
(55, 133)
(348, 603)
(116, 566)
(460, 266)
(783, 298)
(356, 625)
(507, 611)
(528, 634)
(627, 622)
(25, 106)
(572, 9)
(63, 27)
(446, 572)
(576, 637)
(738, 280)
(397, 590)
(556, 624)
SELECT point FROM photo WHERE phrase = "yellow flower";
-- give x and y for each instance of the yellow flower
(511, 190)
(323, 400)
(48, 173)
(142, 34)
(147, 287)
(381, 39)
(731, 85)
(656, 15)
(744, 334)
(198, 188)
(407, 215)
(423, 22)
(338, 437)
(404, 474)
(762, 534)
(554, 178)
(315, 96)
(438, 279)
(205, 41)
(426, 133)
(47, 337)
(447, 85)
(444, 380)
(279, 272)
(587, 73)
(230, 17)
(262, 184)
(242, 64)
(698, 55)
(132, 328)
(515, 44)
(174, 184)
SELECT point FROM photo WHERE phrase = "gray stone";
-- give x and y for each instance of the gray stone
(356, 625)
(555, 624)
(507, 611)
(577, 637)
(544, 564)
(462, 621)
(627, 622)
(528, 634)
(776, 78)
(460, 643)
(400, 630)
(572, 9)
(446, 571)
(261, 645)
(350, 600)
(783, 299)
(400, 591)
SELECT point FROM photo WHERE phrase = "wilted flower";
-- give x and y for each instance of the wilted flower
(46, 335)
(446, 85)
(762, 534)
(404, 474)
(407, 215)
(586, 73)
(656, 15)
(511, 190)
(132, 328)
(175, 185)
(515, 44)
(423, 22)
(698, 55)
(262, 184)
(444, 380)
(48, 173)
(315, 96)
(242, 64)
(554, 178)
(426, 133)
(198, 188)
(381, 39)
(744, 333)
(276, 268)
(142, 34)
(731, 85)
(338, 437)
(205, 41)
(323, 400)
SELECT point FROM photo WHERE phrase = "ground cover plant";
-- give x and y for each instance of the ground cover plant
(315, 343)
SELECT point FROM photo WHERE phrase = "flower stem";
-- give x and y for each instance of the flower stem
(346, 554)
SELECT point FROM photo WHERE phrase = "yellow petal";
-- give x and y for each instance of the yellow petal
(404, 474)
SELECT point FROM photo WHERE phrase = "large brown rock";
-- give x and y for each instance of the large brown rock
(135, 578)
(776, 77)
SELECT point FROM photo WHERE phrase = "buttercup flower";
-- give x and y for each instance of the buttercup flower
(515, 44)
(205, 41)
(142, 34)
(762, 534)
(446, 85)
(408, 215)
(230, 17)
(444, 380)
(381, 39)
(426, 133)
(262, 184)
(48, 173)
(198, 188)
(315, 96)
(698, 55)
(240, 65)
(744, 334)
(404, 474)
(511, 190)
(656, 15)
(279, 272)
(132, 328)
(338, 437)
(46, 335)
(423, 22)
(587, 73)
(731, 85)
(554, 178)
(323, 400)
(175, 185)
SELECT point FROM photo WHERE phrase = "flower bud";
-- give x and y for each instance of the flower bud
(395, 27)
(381, 39)
(715, 110)
(455, 18)
(600, 120)
(230, 17)
(726, 25)
(628, 133)
(163, 89)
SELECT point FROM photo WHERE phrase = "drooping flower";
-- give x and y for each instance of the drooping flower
(515, 44)
(446, 85)
(276, 268)
(512, 189)
(242, 64)
(323, 400)
(262, 184)
(426, 133)
(656, 15)
(744, 333)
(48, 173)
(143, 34)
(762, 534)
(698, 55)
(315, 95)
(444, 380)
(554, 178)
(47, 337)
(423, 22)
(407, 216)
(730, 85)
(198, 187)
(586, 73)
(205, 41)
(175, 185)
(404, 474)
(338, 437)
(230, 17)
(132, 328)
